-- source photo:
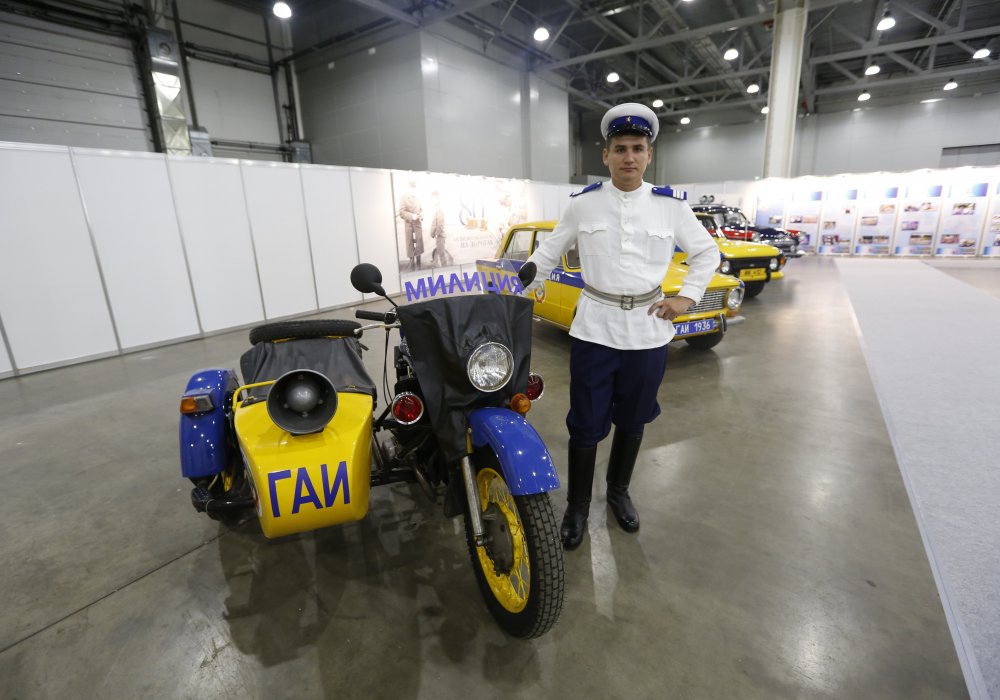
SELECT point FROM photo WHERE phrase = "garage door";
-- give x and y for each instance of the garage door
(67, 86)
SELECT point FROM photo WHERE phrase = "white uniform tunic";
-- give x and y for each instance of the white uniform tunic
(626, 241)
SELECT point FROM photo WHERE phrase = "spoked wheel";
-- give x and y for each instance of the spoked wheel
(520, 568)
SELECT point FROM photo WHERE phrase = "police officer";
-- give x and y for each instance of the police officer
(625, 231)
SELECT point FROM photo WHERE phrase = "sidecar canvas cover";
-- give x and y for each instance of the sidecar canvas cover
(304, 482)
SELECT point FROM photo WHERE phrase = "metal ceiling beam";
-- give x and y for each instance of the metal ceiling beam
(707, 80)
(643, 44)
(388, 11)
(925, 77)
(906, 45)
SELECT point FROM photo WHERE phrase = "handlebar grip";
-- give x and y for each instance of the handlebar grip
(371, 315)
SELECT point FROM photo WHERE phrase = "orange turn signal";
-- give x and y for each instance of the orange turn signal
(520, 403)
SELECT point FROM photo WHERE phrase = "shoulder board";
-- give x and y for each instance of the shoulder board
(588, 188)
(668, 191)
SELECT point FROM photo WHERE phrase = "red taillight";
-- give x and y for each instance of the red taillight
(407, 408)
(536, 387)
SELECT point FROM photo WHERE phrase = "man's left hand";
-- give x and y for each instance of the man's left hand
(670, 308)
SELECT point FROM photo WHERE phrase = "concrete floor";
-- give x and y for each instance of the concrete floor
(778, 555)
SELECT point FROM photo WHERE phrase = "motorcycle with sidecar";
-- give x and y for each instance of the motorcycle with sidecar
(299, 444)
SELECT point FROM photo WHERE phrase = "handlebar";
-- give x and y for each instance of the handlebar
(380, 316)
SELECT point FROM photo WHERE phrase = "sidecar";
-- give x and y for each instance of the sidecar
(293, 443)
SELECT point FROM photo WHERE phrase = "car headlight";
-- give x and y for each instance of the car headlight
(773, 264)
(725, 267)
(735, 298)
(490, 367)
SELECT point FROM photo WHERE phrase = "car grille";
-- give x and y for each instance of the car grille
(713, 300)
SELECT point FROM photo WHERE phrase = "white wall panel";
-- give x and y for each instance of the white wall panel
(375, 218)
(212, 213)
(281, 240)
(131, 213)
(5, 365)
(51, 301)
(330, 213)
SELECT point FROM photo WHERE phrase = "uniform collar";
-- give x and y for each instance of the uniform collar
(622, 194)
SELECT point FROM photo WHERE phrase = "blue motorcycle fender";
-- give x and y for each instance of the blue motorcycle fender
(526, 463)
(204, 441)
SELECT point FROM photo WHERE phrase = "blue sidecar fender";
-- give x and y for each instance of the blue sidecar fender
(204, 441)
(526, 463)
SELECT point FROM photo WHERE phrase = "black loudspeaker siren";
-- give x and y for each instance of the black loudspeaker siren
(302, 401)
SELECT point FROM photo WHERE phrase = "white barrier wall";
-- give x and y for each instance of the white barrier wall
(135, 233)
(52, 298)
(215, 228)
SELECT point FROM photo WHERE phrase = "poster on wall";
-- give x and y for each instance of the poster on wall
(802, 215)
(876, 220)
(920, 210)
(770, 203)
(991, 241)
(837, 222)
(446, 221)
(962, 218)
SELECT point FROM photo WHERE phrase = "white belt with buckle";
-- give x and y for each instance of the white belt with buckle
(624, 301)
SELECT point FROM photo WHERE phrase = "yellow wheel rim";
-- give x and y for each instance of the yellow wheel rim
(511, 588)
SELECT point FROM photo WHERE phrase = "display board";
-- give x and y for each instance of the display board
(330, 215)
(374, 220)
(273, 193)
(212, 215)
(991, 239)
(963, 218)
(917, 220)
(802, 213)
(51, 298)
(876, 218)
(838, 219)
(446, 221)
(131, 213)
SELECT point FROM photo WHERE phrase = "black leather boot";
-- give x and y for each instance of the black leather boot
(624, 450)
(581, 484)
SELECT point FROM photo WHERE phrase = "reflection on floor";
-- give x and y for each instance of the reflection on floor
(778, 557)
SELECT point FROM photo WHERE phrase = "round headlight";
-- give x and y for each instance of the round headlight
(725, 267)
(490, 367)
(735, 298)
(773, 264)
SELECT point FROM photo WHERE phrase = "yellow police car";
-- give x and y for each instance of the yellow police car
(703, 326)
(755, 264)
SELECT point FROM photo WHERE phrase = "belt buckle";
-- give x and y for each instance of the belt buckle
(628, 302)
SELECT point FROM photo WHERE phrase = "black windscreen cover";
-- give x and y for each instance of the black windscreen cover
(442, 334)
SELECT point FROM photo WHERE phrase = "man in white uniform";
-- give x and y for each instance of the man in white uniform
(625, 231)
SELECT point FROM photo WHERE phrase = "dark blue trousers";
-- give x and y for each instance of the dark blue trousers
(611, 386)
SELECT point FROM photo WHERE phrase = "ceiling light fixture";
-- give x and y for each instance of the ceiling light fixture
(765, 109)
(657, 103)
(281, 10)
(864, 96)
(951, 84)
(887, 21)
(753, 88)
(731, 54)
(873, 69)
(613, 77)
(982, 53)
(541, 34)
(685, 120)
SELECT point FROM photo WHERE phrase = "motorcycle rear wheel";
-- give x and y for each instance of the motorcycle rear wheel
(520, 572)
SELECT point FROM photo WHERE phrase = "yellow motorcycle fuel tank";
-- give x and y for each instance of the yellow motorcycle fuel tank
(305, 482)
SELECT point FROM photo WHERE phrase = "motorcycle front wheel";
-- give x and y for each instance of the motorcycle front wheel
(520, 567)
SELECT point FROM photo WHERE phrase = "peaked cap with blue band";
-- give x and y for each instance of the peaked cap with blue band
(630, 117)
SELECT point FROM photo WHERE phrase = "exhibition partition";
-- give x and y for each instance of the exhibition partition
(952, 212)
(104, 252)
